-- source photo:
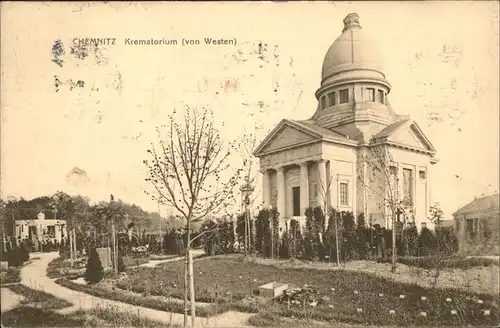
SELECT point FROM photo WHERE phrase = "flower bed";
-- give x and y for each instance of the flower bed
(39, 298)
(12, 275)
(344, 296)
(455, 262)
(28, 316)
(61, 267)
(144, 300)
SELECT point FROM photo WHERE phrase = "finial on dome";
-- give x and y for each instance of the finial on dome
(351, 21)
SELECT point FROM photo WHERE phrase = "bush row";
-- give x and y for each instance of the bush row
(318, 239)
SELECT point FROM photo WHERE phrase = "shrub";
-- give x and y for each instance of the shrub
(295, 240)
(121, 264)
(264, 236)
(94, 271)
(426, 242)
(173, 243)
(17, 256)
(447, 240)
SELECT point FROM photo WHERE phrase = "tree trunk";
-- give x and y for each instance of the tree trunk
(70, 235)
(191, 289)
(393, 244)
(186, 287)
(337, 240)
(74, 243)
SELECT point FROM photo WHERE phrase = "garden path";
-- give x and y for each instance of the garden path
(9, 299)
(34, 275)
(153, 263)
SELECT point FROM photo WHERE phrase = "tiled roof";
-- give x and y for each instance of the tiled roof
(478, 204)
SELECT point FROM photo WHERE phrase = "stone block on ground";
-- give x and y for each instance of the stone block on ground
(272, 290)
(105, 256)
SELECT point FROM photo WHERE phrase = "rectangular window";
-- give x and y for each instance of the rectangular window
(370, 93)
(422, 174)
(51, 230)
(408, 186)
(344, 195)
(323, 102)
(331, 99)
(296, 201)
(344, 96)
(381, 96)
(471, 228)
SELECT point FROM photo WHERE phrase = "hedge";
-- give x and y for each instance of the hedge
(317, 242)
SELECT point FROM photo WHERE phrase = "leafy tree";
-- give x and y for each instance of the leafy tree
(94, 271)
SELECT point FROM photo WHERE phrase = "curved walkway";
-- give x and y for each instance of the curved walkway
(154, 263)
(34, 275)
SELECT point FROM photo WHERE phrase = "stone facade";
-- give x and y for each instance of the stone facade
(355, 153)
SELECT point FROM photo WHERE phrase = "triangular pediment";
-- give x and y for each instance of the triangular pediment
(286, 134)
(412, 136)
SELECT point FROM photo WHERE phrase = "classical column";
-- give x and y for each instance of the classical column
(281, 204)
(266, 188)
(304, 188)
(322, 183)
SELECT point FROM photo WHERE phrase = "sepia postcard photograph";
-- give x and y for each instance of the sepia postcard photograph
(250, 164)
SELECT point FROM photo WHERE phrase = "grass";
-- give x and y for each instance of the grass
(39, 297)
(61, 267)
(12, 275)
(132, 298)
(27, 316)
(455, 262)
(233, 279)
(131, 261)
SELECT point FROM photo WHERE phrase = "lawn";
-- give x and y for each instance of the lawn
(28, 316)
(61, 267)
(455, 262)
(12, 275)
(351, 297)
(37, 309)
(107, 291)
(38, 298)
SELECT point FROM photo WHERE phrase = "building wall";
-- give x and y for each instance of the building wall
(421, 186)
(341, 169)
(486, 242)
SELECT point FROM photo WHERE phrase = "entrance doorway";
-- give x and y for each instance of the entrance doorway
(296, 201)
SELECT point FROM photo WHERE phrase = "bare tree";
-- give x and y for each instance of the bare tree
(380, 182)
(248, 144)
(187, 171)
(442, 246)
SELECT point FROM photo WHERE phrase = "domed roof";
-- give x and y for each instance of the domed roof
(354, 49)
